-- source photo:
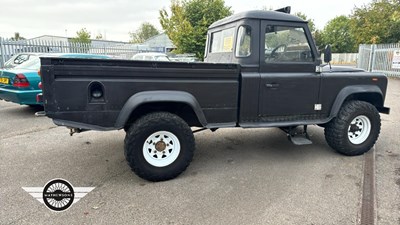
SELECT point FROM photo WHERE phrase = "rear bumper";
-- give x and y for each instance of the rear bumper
(23, 97)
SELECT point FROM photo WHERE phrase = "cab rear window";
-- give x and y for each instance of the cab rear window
(222, 41)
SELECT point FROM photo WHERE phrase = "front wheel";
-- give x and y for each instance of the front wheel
(159, 146)
(355, 129)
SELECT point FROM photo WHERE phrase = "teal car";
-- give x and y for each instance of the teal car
(21, 84)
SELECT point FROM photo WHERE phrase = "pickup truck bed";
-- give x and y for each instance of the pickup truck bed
(211, 88)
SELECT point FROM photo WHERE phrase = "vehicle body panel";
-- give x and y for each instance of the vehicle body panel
(214, 86)
(23, 96)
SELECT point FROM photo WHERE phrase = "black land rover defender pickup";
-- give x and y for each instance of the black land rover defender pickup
(261, 69)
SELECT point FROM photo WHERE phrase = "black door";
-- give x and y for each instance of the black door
(289, 85)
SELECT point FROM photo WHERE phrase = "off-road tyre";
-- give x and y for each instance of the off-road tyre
(355, 129)
(159, 132)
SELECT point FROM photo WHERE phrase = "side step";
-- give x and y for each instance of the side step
(300, 140)
(297, 137)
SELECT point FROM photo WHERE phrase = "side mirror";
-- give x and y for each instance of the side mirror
(328, 54)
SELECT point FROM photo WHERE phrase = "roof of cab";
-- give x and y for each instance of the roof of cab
(258, 14)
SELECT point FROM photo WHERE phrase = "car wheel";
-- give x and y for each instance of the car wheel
(159, 146)
(355, 129)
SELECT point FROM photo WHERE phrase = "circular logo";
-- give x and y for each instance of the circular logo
(58, 195)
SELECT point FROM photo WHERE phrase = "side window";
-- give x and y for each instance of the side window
(222, 41)
(243, 43)
(286, 44)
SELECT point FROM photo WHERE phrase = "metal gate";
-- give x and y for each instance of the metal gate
(380, 58)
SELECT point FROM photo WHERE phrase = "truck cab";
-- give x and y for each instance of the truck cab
(278, 61)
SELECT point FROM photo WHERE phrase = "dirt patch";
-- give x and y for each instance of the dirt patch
(397, 171)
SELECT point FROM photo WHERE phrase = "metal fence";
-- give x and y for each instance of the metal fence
(8, 48)
(383, 58)
(344, 58)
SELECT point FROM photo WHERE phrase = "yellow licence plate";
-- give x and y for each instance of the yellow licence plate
(4, 80)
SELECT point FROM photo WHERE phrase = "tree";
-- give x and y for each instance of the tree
(17, 37)
(81, 43)
(188, 23)
(378, 22)
(82, 36)
(314, 31)
(144, 32)
(311, 24)
(337, 32)
(99, 36)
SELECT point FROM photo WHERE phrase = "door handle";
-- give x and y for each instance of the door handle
(273, 85)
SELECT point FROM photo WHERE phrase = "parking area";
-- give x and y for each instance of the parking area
(238, 176)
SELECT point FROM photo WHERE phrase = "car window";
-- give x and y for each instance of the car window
(32, 64)
(222, 41)
(21, 58)
(286, 44)
(16, 60)
(243, 43)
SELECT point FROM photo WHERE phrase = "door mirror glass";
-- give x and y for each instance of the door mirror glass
(328, 54)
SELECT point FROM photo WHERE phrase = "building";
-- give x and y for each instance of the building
(160, 42)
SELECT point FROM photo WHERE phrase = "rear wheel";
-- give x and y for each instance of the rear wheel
(355, 129)
(159, 146)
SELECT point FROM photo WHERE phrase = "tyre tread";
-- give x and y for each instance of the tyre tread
(161, 118)
(337, 139)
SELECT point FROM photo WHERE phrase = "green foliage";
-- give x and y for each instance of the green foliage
(145, 31)
(318, 38)
(17, 37)
(337, 32)
(314, 31)
(311, 24)
(378, 22)
(188, 23)
(375, 23)
(99, 36)
(80, 43)
(82, 36)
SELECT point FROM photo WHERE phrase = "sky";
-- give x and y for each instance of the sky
(114, 19)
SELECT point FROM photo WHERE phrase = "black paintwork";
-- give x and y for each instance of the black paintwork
(226, 91)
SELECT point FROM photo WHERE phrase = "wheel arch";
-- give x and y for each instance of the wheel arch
(367, 93)
(180, 103)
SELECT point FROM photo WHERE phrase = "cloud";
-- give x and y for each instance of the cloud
(115, 19)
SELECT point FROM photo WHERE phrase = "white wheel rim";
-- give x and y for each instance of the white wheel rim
(359, 130)
(161, 148)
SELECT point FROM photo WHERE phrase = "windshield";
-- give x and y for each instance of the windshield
(32, 64)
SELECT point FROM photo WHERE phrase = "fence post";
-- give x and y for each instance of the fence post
(2, 52)
(371, 58)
